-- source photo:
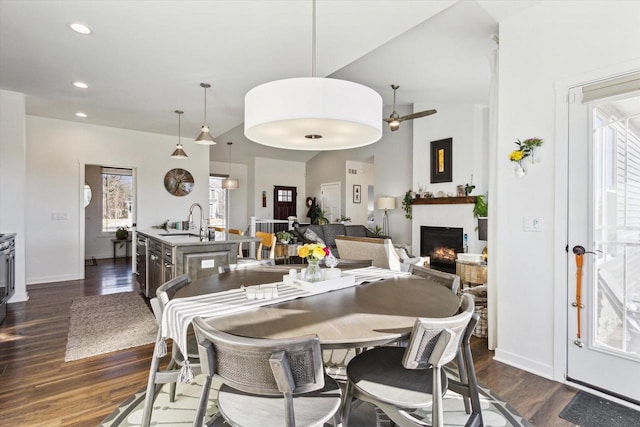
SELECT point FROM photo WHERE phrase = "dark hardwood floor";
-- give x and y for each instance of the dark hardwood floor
(37, 388)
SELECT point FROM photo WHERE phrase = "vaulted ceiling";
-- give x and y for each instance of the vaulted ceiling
(146, 59)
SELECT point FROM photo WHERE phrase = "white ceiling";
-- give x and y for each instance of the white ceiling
(147, 58)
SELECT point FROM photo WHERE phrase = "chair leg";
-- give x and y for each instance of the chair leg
(472, 381)
(437, 414)
(346, 408)
(462, 372)
(172, 392)
(151, 385)
(202, 405)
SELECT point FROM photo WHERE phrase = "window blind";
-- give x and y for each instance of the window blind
(617, 86)
(116, 171)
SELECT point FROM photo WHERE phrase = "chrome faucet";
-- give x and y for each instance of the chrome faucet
(202, 228)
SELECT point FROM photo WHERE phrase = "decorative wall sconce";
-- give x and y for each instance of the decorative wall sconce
(526, 149)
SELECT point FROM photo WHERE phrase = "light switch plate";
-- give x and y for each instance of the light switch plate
(60, 216)
(532, 224)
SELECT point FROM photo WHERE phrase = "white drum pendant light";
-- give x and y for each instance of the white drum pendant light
(313, 113)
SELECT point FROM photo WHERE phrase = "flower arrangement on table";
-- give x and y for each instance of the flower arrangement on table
(313, 253)
(525, 149)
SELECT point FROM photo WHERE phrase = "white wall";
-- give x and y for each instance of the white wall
(239, 217)
(57, 152)
(13, 180)
(271, 172)
(467, 125)
(392, 171)
(547, 43)
(364, 178)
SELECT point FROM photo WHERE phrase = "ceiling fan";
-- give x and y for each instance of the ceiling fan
(395, 119)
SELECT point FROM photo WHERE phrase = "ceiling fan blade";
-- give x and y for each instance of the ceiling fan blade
(417, 115)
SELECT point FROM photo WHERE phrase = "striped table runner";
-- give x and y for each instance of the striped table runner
(178, 313)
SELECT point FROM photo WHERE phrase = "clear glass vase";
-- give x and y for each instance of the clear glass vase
(313, 273)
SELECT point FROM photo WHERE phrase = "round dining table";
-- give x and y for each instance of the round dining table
(365, 315)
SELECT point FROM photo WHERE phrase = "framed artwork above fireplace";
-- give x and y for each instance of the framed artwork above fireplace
(441, 160)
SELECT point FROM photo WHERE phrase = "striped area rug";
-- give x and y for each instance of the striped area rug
(495, 411)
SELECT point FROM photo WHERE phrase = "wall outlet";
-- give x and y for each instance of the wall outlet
(208, 263)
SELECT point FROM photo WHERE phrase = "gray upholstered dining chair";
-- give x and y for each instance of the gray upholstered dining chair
(451, 281)
(399, 380)
(266, 382)
(170, 375)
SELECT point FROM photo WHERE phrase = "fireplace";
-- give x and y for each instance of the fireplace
(442, 245)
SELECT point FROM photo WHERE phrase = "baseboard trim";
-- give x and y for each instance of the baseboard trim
(51, 279)
(526, 364)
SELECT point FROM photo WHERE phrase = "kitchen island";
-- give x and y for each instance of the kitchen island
(162, 255)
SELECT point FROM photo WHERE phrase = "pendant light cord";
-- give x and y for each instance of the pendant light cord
(205, 107)
(313, 40)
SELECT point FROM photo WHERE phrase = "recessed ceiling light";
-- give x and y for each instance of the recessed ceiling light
(80, 114)
(81, 85)
(80, 28)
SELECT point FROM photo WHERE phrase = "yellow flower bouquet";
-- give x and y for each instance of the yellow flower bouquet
(525, 149)
(313, 251)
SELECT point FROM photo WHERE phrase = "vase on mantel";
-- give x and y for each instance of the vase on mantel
(313, 273)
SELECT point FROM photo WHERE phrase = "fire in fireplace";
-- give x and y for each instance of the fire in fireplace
(443, 254)
(442, 244)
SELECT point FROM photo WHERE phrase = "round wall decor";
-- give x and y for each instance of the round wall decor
(179, 182)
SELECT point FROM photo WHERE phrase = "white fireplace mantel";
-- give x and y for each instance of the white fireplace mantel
(446, 215)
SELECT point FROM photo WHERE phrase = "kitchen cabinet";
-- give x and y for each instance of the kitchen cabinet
(170, 255)
(7, 271)
(142, 262)
(155, 274)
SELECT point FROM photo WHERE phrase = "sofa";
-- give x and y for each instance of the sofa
(327, 234)
(380, 251)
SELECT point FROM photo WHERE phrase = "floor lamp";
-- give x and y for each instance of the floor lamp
(386, 203)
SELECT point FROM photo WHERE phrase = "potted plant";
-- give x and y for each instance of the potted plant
(480, 211)
(344, 219)
(284, 236)
(377, 230)
(407, 204)
(122, 233)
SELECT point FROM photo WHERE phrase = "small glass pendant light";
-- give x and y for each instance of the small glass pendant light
(205, 137)
(179, 151)
(230, 183)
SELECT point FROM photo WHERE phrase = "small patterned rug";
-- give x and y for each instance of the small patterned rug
(495, 411)
(105, 323)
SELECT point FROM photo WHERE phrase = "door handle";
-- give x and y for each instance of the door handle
(579, 252)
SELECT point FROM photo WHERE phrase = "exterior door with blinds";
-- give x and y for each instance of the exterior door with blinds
(284, 202)
(603, 346)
